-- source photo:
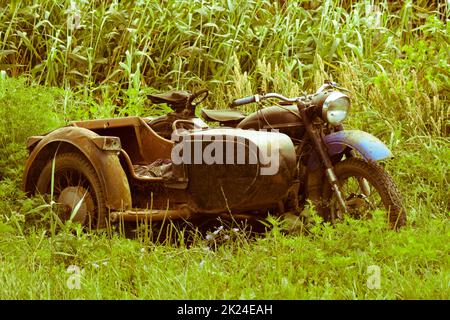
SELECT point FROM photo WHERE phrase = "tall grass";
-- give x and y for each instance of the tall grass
(112, 52)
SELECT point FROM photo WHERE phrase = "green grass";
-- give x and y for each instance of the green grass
(328, 264)
(393, 56)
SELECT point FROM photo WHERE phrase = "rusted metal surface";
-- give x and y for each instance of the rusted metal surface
(105, 163)
(141, 215)
(142, 144)
(205, 188)
(135, 160)
(151, 215)
(285, 119)
(227, 185)
(107, 143)
(33, 141)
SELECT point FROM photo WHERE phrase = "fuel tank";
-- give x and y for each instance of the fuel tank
(234, 170)
(285, 119)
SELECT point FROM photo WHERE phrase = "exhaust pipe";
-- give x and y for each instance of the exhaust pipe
(151, 214)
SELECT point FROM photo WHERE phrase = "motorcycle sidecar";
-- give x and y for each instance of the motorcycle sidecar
(120, 168)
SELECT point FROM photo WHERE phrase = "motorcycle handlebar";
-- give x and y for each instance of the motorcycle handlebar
(279, 97)
(242, 101)
(257, 98)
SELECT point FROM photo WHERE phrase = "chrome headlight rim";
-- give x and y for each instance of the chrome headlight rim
(327, 108)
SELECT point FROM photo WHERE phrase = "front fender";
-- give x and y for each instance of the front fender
(105, 163)
(369, 146)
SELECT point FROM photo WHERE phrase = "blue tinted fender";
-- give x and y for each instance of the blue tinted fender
(370, 147)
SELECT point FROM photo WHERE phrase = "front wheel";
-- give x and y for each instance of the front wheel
(366, 188)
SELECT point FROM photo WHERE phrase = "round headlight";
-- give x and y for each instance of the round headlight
(335, 108)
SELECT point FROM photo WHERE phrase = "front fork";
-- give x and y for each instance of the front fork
(320, 148)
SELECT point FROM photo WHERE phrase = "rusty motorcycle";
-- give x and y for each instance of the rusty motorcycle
(273, 161)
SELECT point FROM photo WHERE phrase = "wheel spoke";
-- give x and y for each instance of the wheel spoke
(74, 178)
(360, 195)
(57, 187)
(84, 182)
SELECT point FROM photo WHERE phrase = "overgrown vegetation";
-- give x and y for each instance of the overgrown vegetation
(68, 60)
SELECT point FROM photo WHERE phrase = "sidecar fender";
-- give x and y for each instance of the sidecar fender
(369, 146)
(102, 156)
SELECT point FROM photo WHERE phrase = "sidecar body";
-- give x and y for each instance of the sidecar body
(198, 172)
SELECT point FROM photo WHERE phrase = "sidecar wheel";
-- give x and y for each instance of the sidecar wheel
(77, 190)
(366, 188)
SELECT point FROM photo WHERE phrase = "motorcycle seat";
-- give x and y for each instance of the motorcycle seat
(172, 97)
(222, 115)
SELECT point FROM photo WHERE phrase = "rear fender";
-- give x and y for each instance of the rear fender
(101, 152)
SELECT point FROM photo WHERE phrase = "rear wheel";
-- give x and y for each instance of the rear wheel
(367, 190)
(77, 189)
